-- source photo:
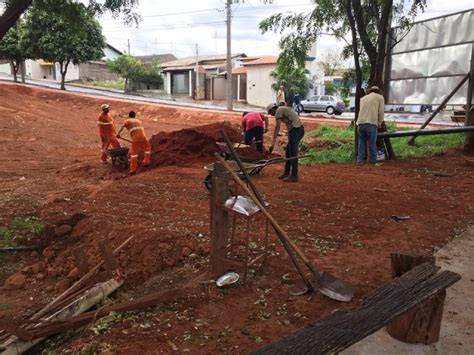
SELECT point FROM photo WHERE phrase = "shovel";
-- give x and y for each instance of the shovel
(327, 284)
(124, 139)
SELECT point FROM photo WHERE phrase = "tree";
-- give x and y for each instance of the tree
(293, 77)
(14, 9)
(49, 36)
(11, 49)
(152, 74)
(127, 67)
(330, 61)
(366, 22)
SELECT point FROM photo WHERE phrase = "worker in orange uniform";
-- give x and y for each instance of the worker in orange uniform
(139, 141)
(106, 131)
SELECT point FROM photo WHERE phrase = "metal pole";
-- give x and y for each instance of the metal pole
(197, 73)
(426, 132)
(440, 107)
(228, 82)
(128, 46)
(469, 88)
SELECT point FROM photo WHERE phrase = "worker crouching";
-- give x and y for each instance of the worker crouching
(139, 141)
(106, 131)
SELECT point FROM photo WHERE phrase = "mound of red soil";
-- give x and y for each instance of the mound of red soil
(189, 146)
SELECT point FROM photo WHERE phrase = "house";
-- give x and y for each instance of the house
(93, 70)
(259, 82)
(98, 70)
(180, 75)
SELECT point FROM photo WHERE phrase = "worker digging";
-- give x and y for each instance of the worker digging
(139, 141)
(295, 134)
(106, 131)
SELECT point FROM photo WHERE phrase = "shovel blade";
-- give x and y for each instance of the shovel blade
(335, 288)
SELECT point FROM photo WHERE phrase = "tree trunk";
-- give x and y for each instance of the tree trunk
(63, 71)
(15, 67)
(358, 71)
(469, 142)
(12, 14)
(126, 85)
(421, 324)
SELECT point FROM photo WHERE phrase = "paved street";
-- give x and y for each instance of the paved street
(441, 119)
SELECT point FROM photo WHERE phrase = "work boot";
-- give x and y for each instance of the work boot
(283, 177)
(131, 173)
(291, 179)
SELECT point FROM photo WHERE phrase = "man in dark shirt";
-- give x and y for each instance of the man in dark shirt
(295, 133)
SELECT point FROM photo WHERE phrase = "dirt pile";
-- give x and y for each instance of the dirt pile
(189, 146)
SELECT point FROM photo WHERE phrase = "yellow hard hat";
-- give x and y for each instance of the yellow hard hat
(104, 106)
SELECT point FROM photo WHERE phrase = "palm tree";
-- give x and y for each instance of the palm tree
(295, 79)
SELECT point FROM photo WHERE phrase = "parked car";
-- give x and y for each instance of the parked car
(323, 103)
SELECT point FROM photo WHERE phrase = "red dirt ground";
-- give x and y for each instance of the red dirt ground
(339, 214)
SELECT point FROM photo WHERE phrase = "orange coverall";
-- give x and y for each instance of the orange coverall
(107, 133)
(139, 142)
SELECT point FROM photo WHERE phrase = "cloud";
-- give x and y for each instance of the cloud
(163, 30)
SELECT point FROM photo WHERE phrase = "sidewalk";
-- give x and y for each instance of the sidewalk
(457, 328)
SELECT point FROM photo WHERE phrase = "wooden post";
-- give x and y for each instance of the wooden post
(219, 219)
(422, 323)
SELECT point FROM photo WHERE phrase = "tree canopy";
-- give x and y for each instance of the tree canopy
(14, 9)
(49, 36)
(132, 69)
(363, 25)
(11, 49)
(292, 76)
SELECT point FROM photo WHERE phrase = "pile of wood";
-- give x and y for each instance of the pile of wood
(90, 289)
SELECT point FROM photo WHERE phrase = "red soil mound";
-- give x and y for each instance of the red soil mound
(189, 146)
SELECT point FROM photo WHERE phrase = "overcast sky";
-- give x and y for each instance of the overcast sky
(176, 26)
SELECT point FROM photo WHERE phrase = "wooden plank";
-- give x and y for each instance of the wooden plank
(11, 328)
(110, 262)
(80, 260)
(341, 329)
(77, 285)
(219, 220)
(152, 299)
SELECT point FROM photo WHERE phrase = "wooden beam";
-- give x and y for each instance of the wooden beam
(219, 219)
(341, 329)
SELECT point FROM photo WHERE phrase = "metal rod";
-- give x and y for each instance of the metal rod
(439, 108)
(427, 77)
(428, 132)
(469, 88)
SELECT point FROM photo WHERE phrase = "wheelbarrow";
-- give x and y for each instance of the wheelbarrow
(250, 168)
(119, 156)
(225, 150)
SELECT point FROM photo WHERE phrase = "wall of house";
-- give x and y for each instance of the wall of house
(96, 71)
(5, 68)
(110, 54)
(259, 90)
(71, 74)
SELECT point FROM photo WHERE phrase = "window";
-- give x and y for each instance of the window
(324, 98)
(314, 98)
(331, 98)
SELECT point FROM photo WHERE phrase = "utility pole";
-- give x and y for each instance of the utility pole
(228, 83)
(197, 72)
(128, 46)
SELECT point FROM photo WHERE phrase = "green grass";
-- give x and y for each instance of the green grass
(110, 84)
(18, 228)
(342, 148)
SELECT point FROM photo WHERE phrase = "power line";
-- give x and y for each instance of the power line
(162, 27)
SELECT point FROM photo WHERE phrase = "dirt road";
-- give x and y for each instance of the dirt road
(340, 214)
